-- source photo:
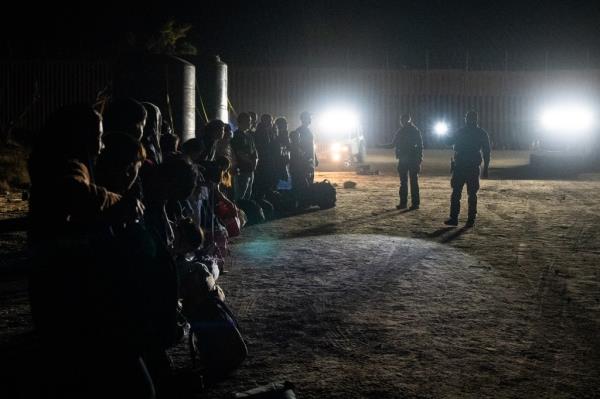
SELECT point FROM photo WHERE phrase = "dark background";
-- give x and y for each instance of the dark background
(395, 34)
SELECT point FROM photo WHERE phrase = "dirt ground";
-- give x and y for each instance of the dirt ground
(364, 300)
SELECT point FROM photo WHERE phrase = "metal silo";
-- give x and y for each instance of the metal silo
(211, 89)
(164, 80)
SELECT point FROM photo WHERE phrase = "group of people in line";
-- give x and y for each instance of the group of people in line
(121, 216)
(471, 146)
(128, 231)
(266, 153)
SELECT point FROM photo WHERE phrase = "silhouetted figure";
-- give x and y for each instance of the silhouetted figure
(298, 166)
(306, 143)
(194, 149)
(245, 157)
(263, 139)
(91, 346)
(409, 152)
(64, 196)
(125, 115)
(471, 146)
(212, 133)
(119, 162)
(152, 133)
(224, 145)
(253, 120)
(169, 144)
(224, 150)
(283, 142)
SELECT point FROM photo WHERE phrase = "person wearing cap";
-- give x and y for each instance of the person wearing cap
(471, 146)
(306, 143)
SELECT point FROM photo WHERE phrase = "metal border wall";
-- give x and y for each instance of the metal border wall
(34, 89)
(508, 102)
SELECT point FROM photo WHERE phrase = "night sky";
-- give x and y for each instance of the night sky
(332, 33)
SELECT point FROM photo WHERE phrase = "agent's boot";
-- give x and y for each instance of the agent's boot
(451, 222)
(403, 202)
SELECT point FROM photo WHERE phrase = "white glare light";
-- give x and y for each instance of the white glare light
(336, 147)
(568, 119)
(338, 120)
(440, 128)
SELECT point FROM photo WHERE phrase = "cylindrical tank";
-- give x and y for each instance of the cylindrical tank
(211, 89)
(166, 81)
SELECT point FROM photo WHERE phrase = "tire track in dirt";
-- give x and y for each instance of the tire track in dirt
(355, 308)
(549, 332)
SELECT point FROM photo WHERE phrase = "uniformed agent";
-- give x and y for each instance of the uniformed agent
(409, 152)
(471, 146)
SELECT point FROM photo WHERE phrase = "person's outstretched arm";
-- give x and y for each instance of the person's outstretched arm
(389, 145)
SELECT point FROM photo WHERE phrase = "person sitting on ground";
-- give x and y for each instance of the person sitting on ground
(125, 115)
(151, 135)
(171, 181)
(224, 145)
(224, 150)
(212, 133)
(194, 149)
(68, 216)
(169, 145)
(119, 162)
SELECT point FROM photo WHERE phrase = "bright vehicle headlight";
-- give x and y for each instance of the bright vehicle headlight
(338, 120)
(441, 128)
(567, 119)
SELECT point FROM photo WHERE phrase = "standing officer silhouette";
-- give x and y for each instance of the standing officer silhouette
(471, 146)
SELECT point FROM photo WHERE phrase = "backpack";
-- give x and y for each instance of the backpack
(283, 201)
(253, 211)
(214, 338)
(322, 194)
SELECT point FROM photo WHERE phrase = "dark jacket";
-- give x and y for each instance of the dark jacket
(244, 151)
(408, 144)
(64, 200)
(471, 146)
